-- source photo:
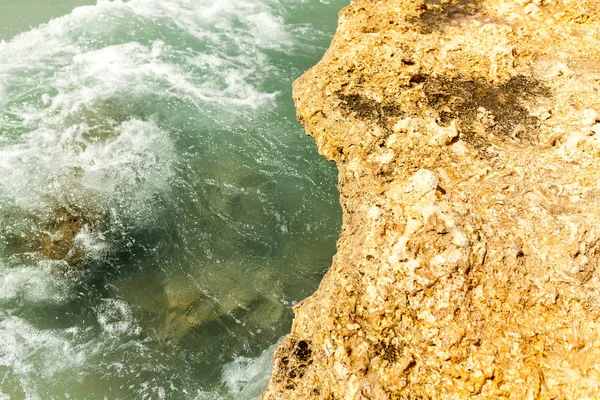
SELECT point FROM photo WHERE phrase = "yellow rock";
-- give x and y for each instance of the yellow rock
(467, 267)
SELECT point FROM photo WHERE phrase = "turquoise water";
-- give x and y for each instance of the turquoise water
(160, 209)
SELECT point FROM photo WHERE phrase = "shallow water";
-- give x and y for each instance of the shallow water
(160, 208)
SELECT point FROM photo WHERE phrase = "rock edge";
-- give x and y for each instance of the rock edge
(467, 138)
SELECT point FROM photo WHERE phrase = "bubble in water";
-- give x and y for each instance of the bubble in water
(115, 317)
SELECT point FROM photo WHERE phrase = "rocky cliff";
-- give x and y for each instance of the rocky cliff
(467, 137)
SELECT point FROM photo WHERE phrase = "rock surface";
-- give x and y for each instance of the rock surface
(467, 137)
(54, 236)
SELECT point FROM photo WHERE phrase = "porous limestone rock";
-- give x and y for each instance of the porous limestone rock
(466, 133)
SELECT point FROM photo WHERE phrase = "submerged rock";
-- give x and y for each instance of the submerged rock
(466, 137)
(56, 241)
(185, 302)
(55, 236)
(192, 304)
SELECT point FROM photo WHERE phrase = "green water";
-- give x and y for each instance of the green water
(19, 15)
(161, 210)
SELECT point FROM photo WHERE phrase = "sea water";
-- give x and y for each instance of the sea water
(160, 209)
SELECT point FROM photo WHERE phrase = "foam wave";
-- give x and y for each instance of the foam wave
(116, 317)
(34, 356)
(113, 174)
(134, 153)
(82, 47)
(38, 284)
(246, 378)
(77, 122)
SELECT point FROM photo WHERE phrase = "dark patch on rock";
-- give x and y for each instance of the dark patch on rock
(368, 109)
(401, 396)
(439, 13)
(388, 352)
(303, 352)
(482, 108)
(294, 366)
(417, 78)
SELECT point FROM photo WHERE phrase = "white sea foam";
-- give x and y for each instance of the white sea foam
(116, 317)
(37, 284)
(247, 378)
(134, 163)
(134, 64)
(72, 78)
(35, 356)
(94, 243)
(2, 97)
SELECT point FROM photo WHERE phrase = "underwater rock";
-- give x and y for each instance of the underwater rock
(56, 240)
(192, 303)
(238, 196)
(185, 302)
(54, 236)
(465, 134)
(217, 296)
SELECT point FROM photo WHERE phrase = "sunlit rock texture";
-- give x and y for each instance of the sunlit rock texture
(467, 137)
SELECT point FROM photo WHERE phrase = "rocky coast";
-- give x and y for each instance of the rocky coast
(467, 138)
